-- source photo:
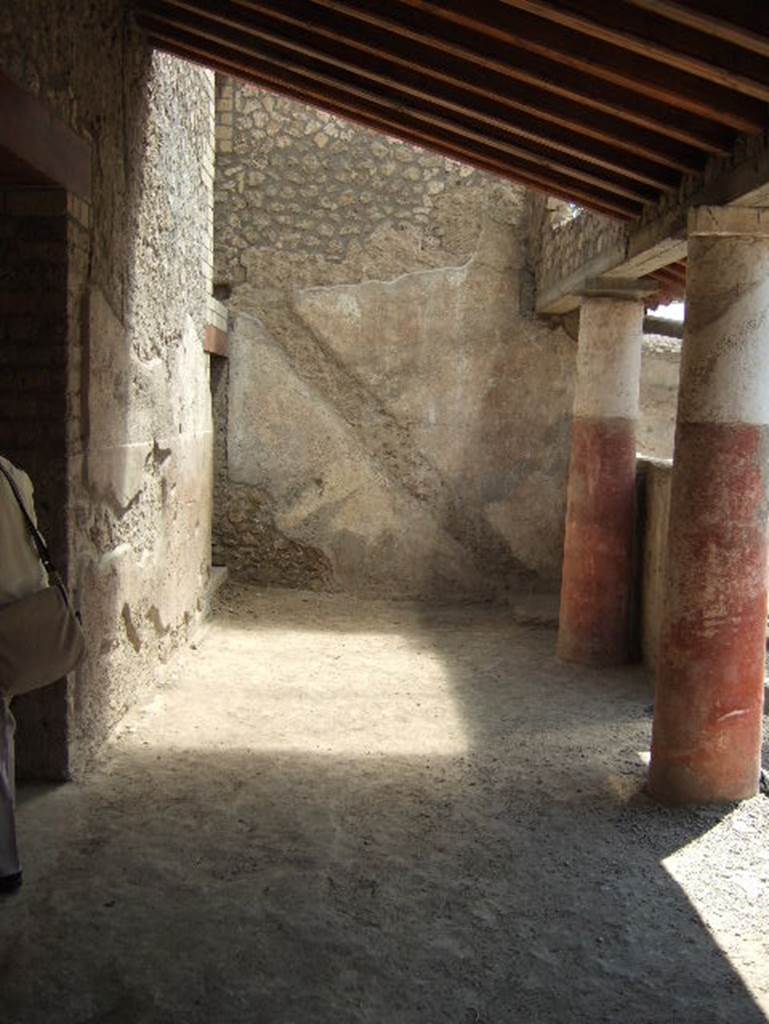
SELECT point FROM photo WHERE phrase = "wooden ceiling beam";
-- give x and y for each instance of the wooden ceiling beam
(529, 164)
(671, 290)
(42, 149)
(544, 74)
(621, 178)
(669, 279)
(417, 68)
(645, 46)
(717, 25)
(278, 80)
(410, 79)
(676, 271)
(611, 55)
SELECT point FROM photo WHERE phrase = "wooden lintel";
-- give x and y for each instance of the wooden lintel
(662, 240)
(216, 341)
(620, 287)
(238, 60)
(31, 133)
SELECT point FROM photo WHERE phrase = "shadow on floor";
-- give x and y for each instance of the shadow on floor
(516, 875)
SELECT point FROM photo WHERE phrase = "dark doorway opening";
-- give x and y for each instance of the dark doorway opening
(33, 411)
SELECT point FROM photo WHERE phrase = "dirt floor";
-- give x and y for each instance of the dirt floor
(344, 811)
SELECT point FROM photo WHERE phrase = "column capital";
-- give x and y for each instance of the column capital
(630, 289)
(729, 221)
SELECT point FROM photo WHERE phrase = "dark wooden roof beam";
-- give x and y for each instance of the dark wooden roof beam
(428, 66)
(235, 63)
(718, 24)
(412, 79)
(614, 25)
(615, 177)
(550, 35)
(606, 104)
(547, 74)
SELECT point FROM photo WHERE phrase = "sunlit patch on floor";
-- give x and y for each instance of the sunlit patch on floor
(727, 869)
(332, 693)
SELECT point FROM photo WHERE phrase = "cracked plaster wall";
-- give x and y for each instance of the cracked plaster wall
(397, 417)
(138, 429)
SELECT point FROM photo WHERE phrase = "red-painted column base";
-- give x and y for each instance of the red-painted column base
(594, 627)
(708, 706)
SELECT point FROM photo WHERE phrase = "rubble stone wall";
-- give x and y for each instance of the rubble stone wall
(565, 245)
(397, 417)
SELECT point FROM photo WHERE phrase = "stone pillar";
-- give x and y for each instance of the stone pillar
(708, 706)
(594, 626)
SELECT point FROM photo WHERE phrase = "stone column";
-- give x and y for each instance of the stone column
(708, 705)
(594, 626)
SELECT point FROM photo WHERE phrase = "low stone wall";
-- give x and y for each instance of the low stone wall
(656, 478)
(660, 369)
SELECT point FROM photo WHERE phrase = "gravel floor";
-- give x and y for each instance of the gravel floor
(347, 811)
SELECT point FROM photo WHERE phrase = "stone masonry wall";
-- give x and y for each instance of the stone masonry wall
(565, 245)
(398, 419)
(138, 275)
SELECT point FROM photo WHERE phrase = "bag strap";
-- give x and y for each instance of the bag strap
(37, 537)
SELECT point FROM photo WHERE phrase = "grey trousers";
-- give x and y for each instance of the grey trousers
(9, 855)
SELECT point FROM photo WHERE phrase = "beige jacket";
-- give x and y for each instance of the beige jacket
(21, 572)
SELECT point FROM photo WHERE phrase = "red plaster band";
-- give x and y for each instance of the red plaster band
(708, 709)
(594, 626)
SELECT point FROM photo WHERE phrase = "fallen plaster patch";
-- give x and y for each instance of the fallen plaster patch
(131, 631)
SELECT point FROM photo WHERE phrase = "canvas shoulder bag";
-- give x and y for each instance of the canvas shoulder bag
(41, 639)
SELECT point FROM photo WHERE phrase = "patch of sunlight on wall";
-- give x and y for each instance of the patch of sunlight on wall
(284, 689)
(736, 849)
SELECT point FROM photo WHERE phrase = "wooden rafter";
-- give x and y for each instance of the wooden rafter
(569, 131)
(515, 88)
(606, 104)
(230, 62)
(717, 25)
(648, 46)
(564, 73)
(495, 138)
